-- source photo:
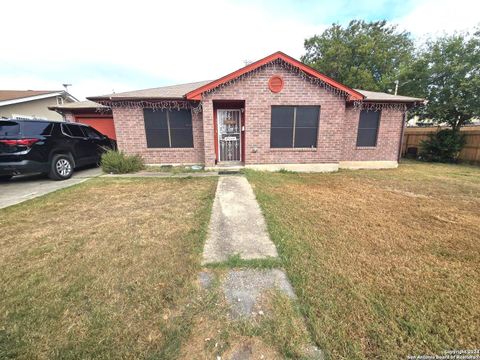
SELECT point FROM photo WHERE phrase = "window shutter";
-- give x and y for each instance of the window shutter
(156, 128)
(181, 128)
(368, 128)
(281, 133)
(306, 126)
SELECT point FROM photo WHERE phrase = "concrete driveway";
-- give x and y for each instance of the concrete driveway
(21, 188)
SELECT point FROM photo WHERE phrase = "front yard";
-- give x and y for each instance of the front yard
(102, 270)
(385, 263)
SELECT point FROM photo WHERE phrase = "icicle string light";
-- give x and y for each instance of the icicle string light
(362, 105)
(283, 65)
(196, 107)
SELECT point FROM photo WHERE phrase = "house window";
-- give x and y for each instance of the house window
(294, 126)
(368, 128)
(168, 129)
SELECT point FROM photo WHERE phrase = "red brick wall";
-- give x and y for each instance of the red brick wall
(336, 138)
(130, 130)
(388, 139)
(258, 101)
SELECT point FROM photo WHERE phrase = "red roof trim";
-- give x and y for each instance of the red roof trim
(197, 93)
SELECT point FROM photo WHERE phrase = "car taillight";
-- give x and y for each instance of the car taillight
(24, 142)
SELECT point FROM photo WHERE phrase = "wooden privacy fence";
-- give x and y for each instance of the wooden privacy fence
(470, 152)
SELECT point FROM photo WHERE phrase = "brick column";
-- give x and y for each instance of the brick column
(208, 132)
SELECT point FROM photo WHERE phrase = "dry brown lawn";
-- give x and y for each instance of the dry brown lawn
(385, 263)
(102, 270)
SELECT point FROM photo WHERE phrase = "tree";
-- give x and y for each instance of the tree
(446, 72)
(363, 55)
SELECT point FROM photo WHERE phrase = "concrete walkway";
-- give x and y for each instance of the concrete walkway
(237, 226)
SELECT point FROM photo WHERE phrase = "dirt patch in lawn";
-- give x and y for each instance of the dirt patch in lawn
(385, 263)
(106, 269)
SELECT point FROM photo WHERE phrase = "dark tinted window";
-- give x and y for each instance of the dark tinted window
(9, 128)
(156, 128)
(181, 128)
(74, 130)
(32, 128)
(306, 126)
(281, 135)
(294, 126)
(164, 128)
(368, 128)
(91, 133)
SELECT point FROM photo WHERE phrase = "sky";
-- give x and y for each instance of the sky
(106, 46)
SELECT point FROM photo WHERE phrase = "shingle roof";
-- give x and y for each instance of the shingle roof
(20, 94)
(164, 92)
(78, 105)
(380, 96)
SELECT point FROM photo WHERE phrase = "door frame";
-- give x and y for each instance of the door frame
(217, 129)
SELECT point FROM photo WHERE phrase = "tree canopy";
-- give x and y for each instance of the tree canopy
(446, 72)
(365, 55)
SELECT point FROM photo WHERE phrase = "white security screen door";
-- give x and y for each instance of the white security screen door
(229, 131)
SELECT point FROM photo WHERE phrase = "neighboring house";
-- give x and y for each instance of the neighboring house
(32, 104)
(90, 113)
(271, 114)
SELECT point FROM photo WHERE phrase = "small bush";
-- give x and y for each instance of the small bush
(117, 162)
(442, 146)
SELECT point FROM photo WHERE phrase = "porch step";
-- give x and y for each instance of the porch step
(226, 169)
(228, 172)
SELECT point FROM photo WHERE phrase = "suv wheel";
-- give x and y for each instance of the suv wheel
(61, 167)
(5, 177)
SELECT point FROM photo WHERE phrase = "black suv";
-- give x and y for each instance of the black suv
(50, 147)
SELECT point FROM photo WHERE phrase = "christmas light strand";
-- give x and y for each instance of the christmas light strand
(196, 106)
(286, 66)
(369, 106)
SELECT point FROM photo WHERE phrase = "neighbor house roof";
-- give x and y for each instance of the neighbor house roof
(9, 97)
(385, 97)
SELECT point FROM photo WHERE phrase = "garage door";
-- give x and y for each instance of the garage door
(102, 124)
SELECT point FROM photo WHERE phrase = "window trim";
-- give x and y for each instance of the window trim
(368, 147)
(293, 148)
(167, 116)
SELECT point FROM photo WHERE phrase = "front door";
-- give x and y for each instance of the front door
(229, 126)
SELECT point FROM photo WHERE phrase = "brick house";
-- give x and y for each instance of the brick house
(274, 113)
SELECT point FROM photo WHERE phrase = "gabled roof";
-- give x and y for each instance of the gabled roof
(194, 90)
(196, 94)
(9, 97)
(385, 97)
(19, 94)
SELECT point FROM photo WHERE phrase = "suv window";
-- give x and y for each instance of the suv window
(91, 133)
(9, 128)
(73, 130)
(32, 128)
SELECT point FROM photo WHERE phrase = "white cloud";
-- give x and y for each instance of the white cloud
(435, 17)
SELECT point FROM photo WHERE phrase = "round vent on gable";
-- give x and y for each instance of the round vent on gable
(275, 84)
